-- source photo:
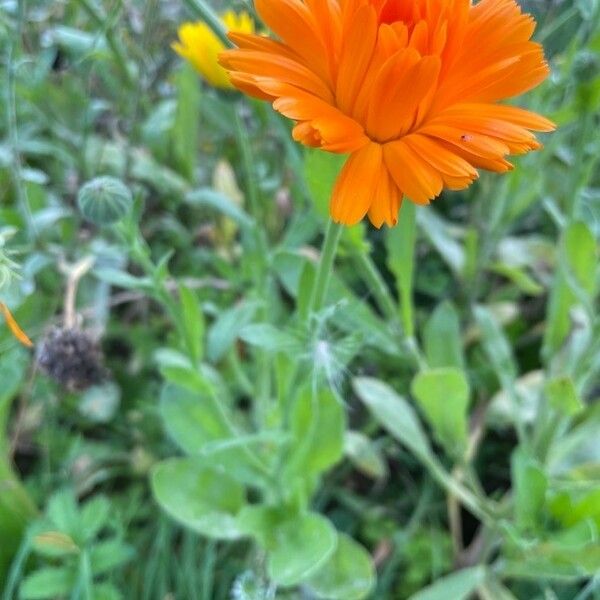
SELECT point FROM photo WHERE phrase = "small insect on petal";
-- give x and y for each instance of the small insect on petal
(14, 326)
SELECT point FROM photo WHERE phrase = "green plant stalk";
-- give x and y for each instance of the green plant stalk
(253, 195)
(456, 489)
(389, 307)
(84, 588)
(141, 253)
(116, 49)
(408, 226)
(16, 511)
(11, 117)
(16, 507)
(201, 9)
(325, 268)
(17, 567)
(263, 387)
(377, 285)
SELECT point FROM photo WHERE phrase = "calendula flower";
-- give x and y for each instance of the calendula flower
(14, 326)
(408, 88)
(200, 46)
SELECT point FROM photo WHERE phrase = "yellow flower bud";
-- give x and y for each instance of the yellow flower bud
(200, 46)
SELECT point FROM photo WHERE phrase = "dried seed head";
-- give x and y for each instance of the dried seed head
(72, 357)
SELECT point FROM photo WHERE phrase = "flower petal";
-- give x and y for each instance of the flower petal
(416, 178)
(14, 326)
(294, 23)
(386, 201)
(355, 187)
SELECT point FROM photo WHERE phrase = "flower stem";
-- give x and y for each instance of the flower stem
(261, 247)
(325, 268)
(12, 129)
(113, 43)
(462, 494)
(377, 285)
(260, 264)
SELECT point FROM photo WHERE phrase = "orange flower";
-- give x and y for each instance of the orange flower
(408, 88)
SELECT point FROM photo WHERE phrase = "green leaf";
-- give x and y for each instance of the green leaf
(572, 507)
(521, 403)
(572, 555)
(187, 120)
(441, 237)
(305, 287)
(193, 323)
(200, 425)
(457, 586)
(94, 516)
(222, 204)
(574, 284)
(63, 513)
(107, 555)
(16, 507)
(441, 338)
(496, 346)
(400, 243)
(105, 200)
(48, 583)
(106, 591)
(318, 423)
(298, 545)
(529, 487)
(365, 456)
(54, 544)
(198, 497)
(443, 395)
(348, 575)
(269, 338)
(76, 41)
(520, 278)
(393, 413)
(100, 403)
(563, 397)
(226, 329)
(123, 280)
(192, 420)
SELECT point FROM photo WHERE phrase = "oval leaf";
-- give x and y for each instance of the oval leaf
(443, 395)
(298, 545)
(198, 497)
(348, 575)
(393, 413)
(458, 586)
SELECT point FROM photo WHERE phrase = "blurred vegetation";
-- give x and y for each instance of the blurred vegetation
(181, 282)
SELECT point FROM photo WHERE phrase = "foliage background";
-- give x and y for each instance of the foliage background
(504, 294)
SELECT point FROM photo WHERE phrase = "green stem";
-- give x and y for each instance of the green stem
(242, 139)
(325, 268)
(408, 231)
(112, 41)
(261, 253)
(200, 9)
(557, 23)
(11, 116)
(17, 567)
(377, 285)
(456, 489)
